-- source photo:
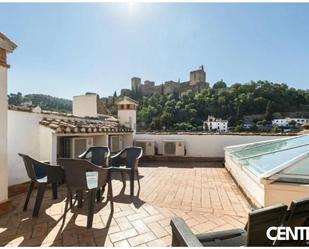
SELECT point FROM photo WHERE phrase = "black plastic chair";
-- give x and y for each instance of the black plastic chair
(297, 216)
(41, 174)
(98, 155)
(84, 176)
(126, 161)
(253, 235)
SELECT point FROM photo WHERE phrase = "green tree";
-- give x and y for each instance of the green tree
(269, 111)
(15, 99)
(219, 84)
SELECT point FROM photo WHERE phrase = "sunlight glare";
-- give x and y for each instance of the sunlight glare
(131, 6)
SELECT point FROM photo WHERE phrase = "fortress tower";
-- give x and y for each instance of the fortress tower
(197, 76)
(135, 84)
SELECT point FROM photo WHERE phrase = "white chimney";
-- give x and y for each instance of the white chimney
(85, 105)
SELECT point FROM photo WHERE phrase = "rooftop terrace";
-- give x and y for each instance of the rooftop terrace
(203, 194)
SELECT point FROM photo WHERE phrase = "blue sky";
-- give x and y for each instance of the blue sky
(68, 49)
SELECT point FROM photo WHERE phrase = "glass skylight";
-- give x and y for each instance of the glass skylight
(253, 150)
(263, 163)
(282, 157)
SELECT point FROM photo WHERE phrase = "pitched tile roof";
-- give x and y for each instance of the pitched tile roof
(82, 125)
(68, 123)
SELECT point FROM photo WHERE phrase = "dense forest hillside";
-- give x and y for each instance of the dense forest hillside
(188, 110)
(46, 102)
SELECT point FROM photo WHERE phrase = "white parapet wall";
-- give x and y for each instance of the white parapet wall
(203, 145)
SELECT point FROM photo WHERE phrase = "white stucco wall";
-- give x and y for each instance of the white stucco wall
(3, 135)
(24, 137)
(127, 140)
(204, 145)
(46, 143)
(101, 140)
(85, 106)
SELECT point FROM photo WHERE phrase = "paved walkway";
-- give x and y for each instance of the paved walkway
(203, 194)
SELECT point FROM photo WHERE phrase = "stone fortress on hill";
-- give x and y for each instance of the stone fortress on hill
(196, 83)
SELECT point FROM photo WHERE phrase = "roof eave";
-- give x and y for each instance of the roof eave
(6, 43)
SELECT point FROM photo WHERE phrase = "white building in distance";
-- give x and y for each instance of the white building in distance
(284, 122)
(215, 124)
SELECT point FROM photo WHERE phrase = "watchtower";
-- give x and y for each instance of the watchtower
(135, 84)
(197, 76)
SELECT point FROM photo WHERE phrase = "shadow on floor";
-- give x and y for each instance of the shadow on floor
(21, 226)
(74, 233)
(122, 197)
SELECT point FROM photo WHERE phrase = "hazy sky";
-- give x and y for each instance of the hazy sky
(68, 49)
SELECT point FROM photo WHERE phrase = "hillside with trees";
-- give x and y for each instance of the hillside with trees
(46, 102)
(188, 110)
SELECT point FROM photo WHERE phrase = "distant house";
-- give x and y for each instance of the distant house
(285, 122)
(47, 135)
(215, 124)
(26, 103)
(300, 121)
(280, 122)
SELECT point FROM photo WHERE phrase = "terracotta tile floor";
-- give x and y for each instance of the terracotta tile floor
(203, 194)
